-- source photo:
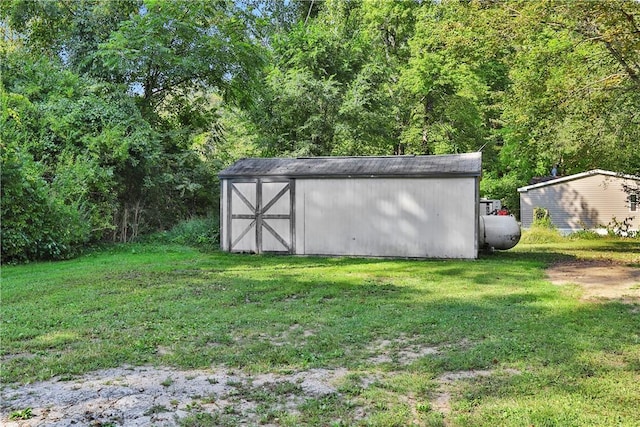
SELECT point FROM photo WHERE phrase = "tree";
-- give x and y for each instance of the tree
(78, 138)
(454, 78)
(331, 89)
(119, 100)
(572, 96)
(172, 53)
(70, 30)
(575, 94)
(174, 56)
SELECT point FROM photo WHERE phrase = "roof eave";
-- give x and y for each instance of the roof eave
(350, 176)
(574, 177)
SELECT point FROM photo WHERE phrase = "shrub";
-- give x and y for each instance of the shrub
(503, 187)
(37, 224)
(541, 218)
(542, 229)
(196, 232)
(585, 235)
(621, 228)
(541, 235)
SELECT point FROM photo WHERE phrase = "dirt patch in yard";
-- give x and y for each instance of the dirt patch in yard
(141, 396)
(402, 350)
(599, 279)
(163, 396)
(441, 400)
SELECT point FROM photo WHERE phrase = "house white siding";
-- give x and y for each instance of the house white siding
(584, 201)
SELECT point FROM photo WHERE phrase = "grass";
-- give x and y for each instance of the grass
(23, 414)
(625, 251)
(578, 362)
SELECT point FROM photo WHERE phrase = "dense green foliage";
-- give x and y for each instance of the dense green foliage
(110, 117)
(116, 115)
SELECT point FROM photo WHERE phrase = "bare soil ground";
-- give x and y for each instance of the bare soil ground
(162, 396)
(599, 279)
(142, 396)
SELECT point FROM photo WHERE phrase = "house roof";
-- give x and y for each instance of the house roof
(574, 177)
(469, 164)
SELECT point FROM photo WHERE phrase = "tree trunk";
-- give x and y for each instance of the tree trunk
(428, 110)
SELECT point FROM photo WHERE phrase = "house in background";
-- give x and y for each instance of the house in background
(587, 200)
(397, 206)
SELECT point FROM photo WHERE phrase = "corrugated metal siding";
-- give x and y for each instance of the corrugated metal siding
(431, 218)
(469, 164)
(590, 201)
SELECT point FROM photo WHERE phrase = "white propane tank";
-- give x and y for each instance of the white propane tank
(498, 232)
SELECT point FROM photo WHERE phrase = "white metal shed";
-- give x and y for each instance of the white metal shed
(397, 206)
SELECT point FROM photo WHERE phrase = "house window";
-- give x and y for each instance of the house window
(633, 202)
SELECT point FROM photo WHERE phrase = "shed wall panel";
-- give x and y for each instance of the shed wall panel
(587, 202)
(421, 217)
(281, 205)
(243, 191)
(243, 235)
(224, 227)
(271, 242)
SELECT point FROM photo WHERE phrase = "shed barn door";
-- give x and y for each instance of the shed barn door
(261, 217)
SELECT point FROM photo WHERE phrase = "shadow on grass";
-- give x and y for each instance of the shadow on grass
(630, 245)
(546, 257)
(577, 364)
(266, 312)
(275, 314)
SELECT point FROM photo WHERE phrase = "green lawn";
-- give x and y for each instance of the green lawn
(555, 360)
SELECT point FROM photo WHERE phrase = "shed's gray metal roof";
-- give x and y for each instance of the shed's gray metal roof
(469, 164)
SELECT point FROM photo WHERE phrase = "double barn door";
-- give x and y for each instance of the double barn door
(261, 216)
